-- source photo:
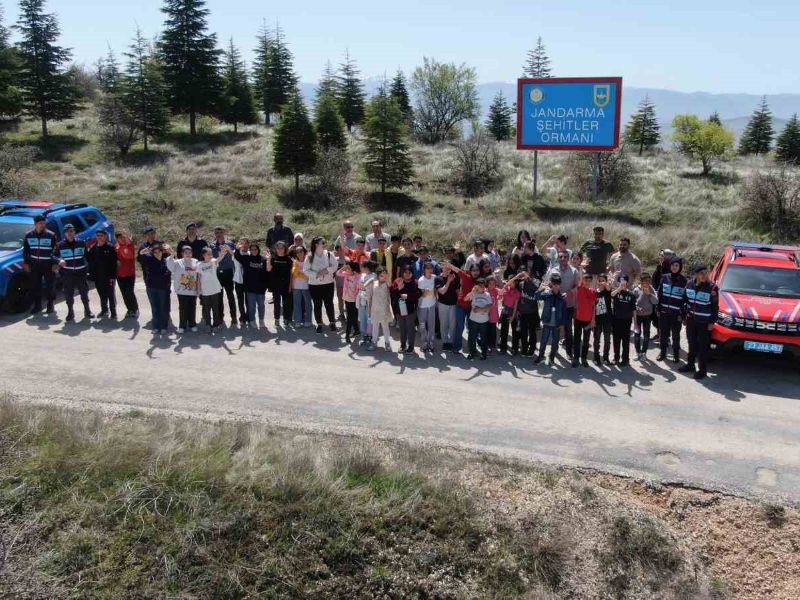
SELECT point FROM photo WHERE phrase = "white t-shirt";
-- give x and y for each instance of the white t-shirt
(426, 287)
(184, 275)
(209, 282)
(366, 279)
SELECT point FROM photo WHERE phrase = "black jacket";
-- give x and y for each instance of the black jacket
(255, 276)
(197, 248)
(281, 274)
(535, 265)
(102, 261)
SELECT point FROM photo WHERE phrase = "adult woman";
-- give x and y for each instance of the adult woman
(320, 266)
(126, 272)
(522, 237)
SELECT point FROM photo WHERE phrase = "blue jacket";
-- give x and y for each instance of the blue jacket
(157, 275)
(671, 293)
(551, 302)
(701, 302)
(418, 267)
(38, 249)
(73, 254)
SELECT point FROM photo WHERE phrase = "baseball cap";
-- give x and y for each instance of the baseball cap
(149, 229)
(555, 278)
(191, 226)
(38, 219)
(700, 267)
(69, 226)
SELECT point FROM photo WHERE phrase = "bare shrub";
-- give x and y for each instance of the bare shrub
(14, 164)
(119, 129)
(332, 175)
(771, 200)
(616, 177)
(476, 165)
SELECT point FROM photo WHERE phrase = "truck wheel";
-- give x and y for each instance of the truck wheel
(17, 298)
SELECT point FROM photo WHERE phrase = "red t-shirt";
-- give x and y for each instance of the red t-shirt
(467, 284)
(585, 300)
(126, 255)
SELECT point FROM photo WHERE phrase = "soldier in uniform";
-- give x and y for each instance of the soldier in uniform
(38, 252)
(71, 253)
(700, 305)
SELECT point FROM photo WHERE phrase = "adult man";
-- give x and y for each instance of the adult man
(377, 233)
(596, 253)
(625, 262)
(279, 233)
(102, 259)
(347, 240)
(38, 252)
(700, 304)
(194, 241)
(478, 254)
(423, 257)
(569, 279)
(71, 253)
(553, 246)
(225, 269)
(670, 308)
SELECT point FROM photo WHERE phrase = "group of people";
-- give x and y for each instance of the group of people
(508, 302)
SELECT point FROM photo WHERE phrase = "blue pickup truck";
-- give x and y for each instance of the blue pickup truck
(16, 219)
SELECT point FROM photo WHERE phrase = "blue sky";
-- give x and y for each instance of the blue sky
(711, 45)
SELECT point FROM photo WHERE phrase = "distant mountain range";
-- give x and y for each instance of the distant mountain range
(733, 109)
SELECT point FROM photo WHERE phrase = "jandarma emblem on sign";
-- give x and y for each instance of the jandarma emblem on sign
(602, 95)
(537, 95)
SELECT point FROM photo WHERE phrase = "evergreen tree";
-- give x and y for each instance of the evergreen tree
(714, 118)
(145, 91)
(48, 91)
(329, 123)
(537, 65)
(190, 59)
(787, 147)
(237, 99)
(328, 86)
(294, 148)
(10, 95)
(274, 77)
(387, 160)
(757, 136)
(499, 121)
(351, 95)
(399, 91)
(643, 129)
(108, 72)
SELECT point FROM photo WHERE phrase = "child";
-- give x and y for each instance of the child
(380, 307)
(427, 307)
(126, 272)
(478, 322)
(238, 285)
(350, 279)
(185, 283)
(624, 307)
(494, 314)
(554, 317)
(358, 254)
(510, 296)
(603, 320)
(528, 313)
(405, 295)
(279, 266)
(301, 296)
(585, 300)
(256, 278)
(646, 302)
(364, 326)
(210, 287)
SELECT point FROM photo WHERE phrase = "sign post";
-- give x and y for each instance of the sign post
(569, 113)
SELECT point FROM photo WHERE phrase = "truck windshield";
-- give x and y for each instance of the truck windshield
(762, 281)
(12, 234)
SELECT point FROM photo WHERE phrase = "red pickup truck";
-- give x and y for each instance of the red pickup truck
(759, 299)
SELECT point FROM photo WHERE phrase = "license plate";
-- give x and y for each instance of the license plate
(764, 347)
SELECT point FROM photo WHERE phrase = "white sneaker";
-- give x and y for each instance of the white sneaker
(181, 330)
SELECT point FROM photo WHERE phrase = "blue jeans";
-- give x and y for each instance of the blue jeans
(159, 305)
(255, 300)
(301, 300)
(363, 320)
(462, 314)
(552, 334)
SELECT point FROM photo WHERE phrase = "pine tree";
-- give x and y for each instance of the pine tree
(757, 136)
(714, 118)
(146, 92)
(351, 95)
(294, 146)
(537, 64)
(10, 95)
(387, 160)
(191, 59)
(48, 91)
(787, 147)
(108, 72)
(643, 129)
(329, 123)
(274, 77)
(328, 86)
(499, 121)
(237, 99)
(399, 91)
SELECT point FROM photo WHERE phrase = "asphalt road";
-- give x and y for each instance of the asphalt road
(738, 431)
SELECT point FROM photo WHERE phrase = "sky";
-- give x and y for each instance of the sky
(717, 46)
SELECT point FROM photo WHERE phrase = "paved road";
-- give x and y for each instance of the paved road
(739, 431)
